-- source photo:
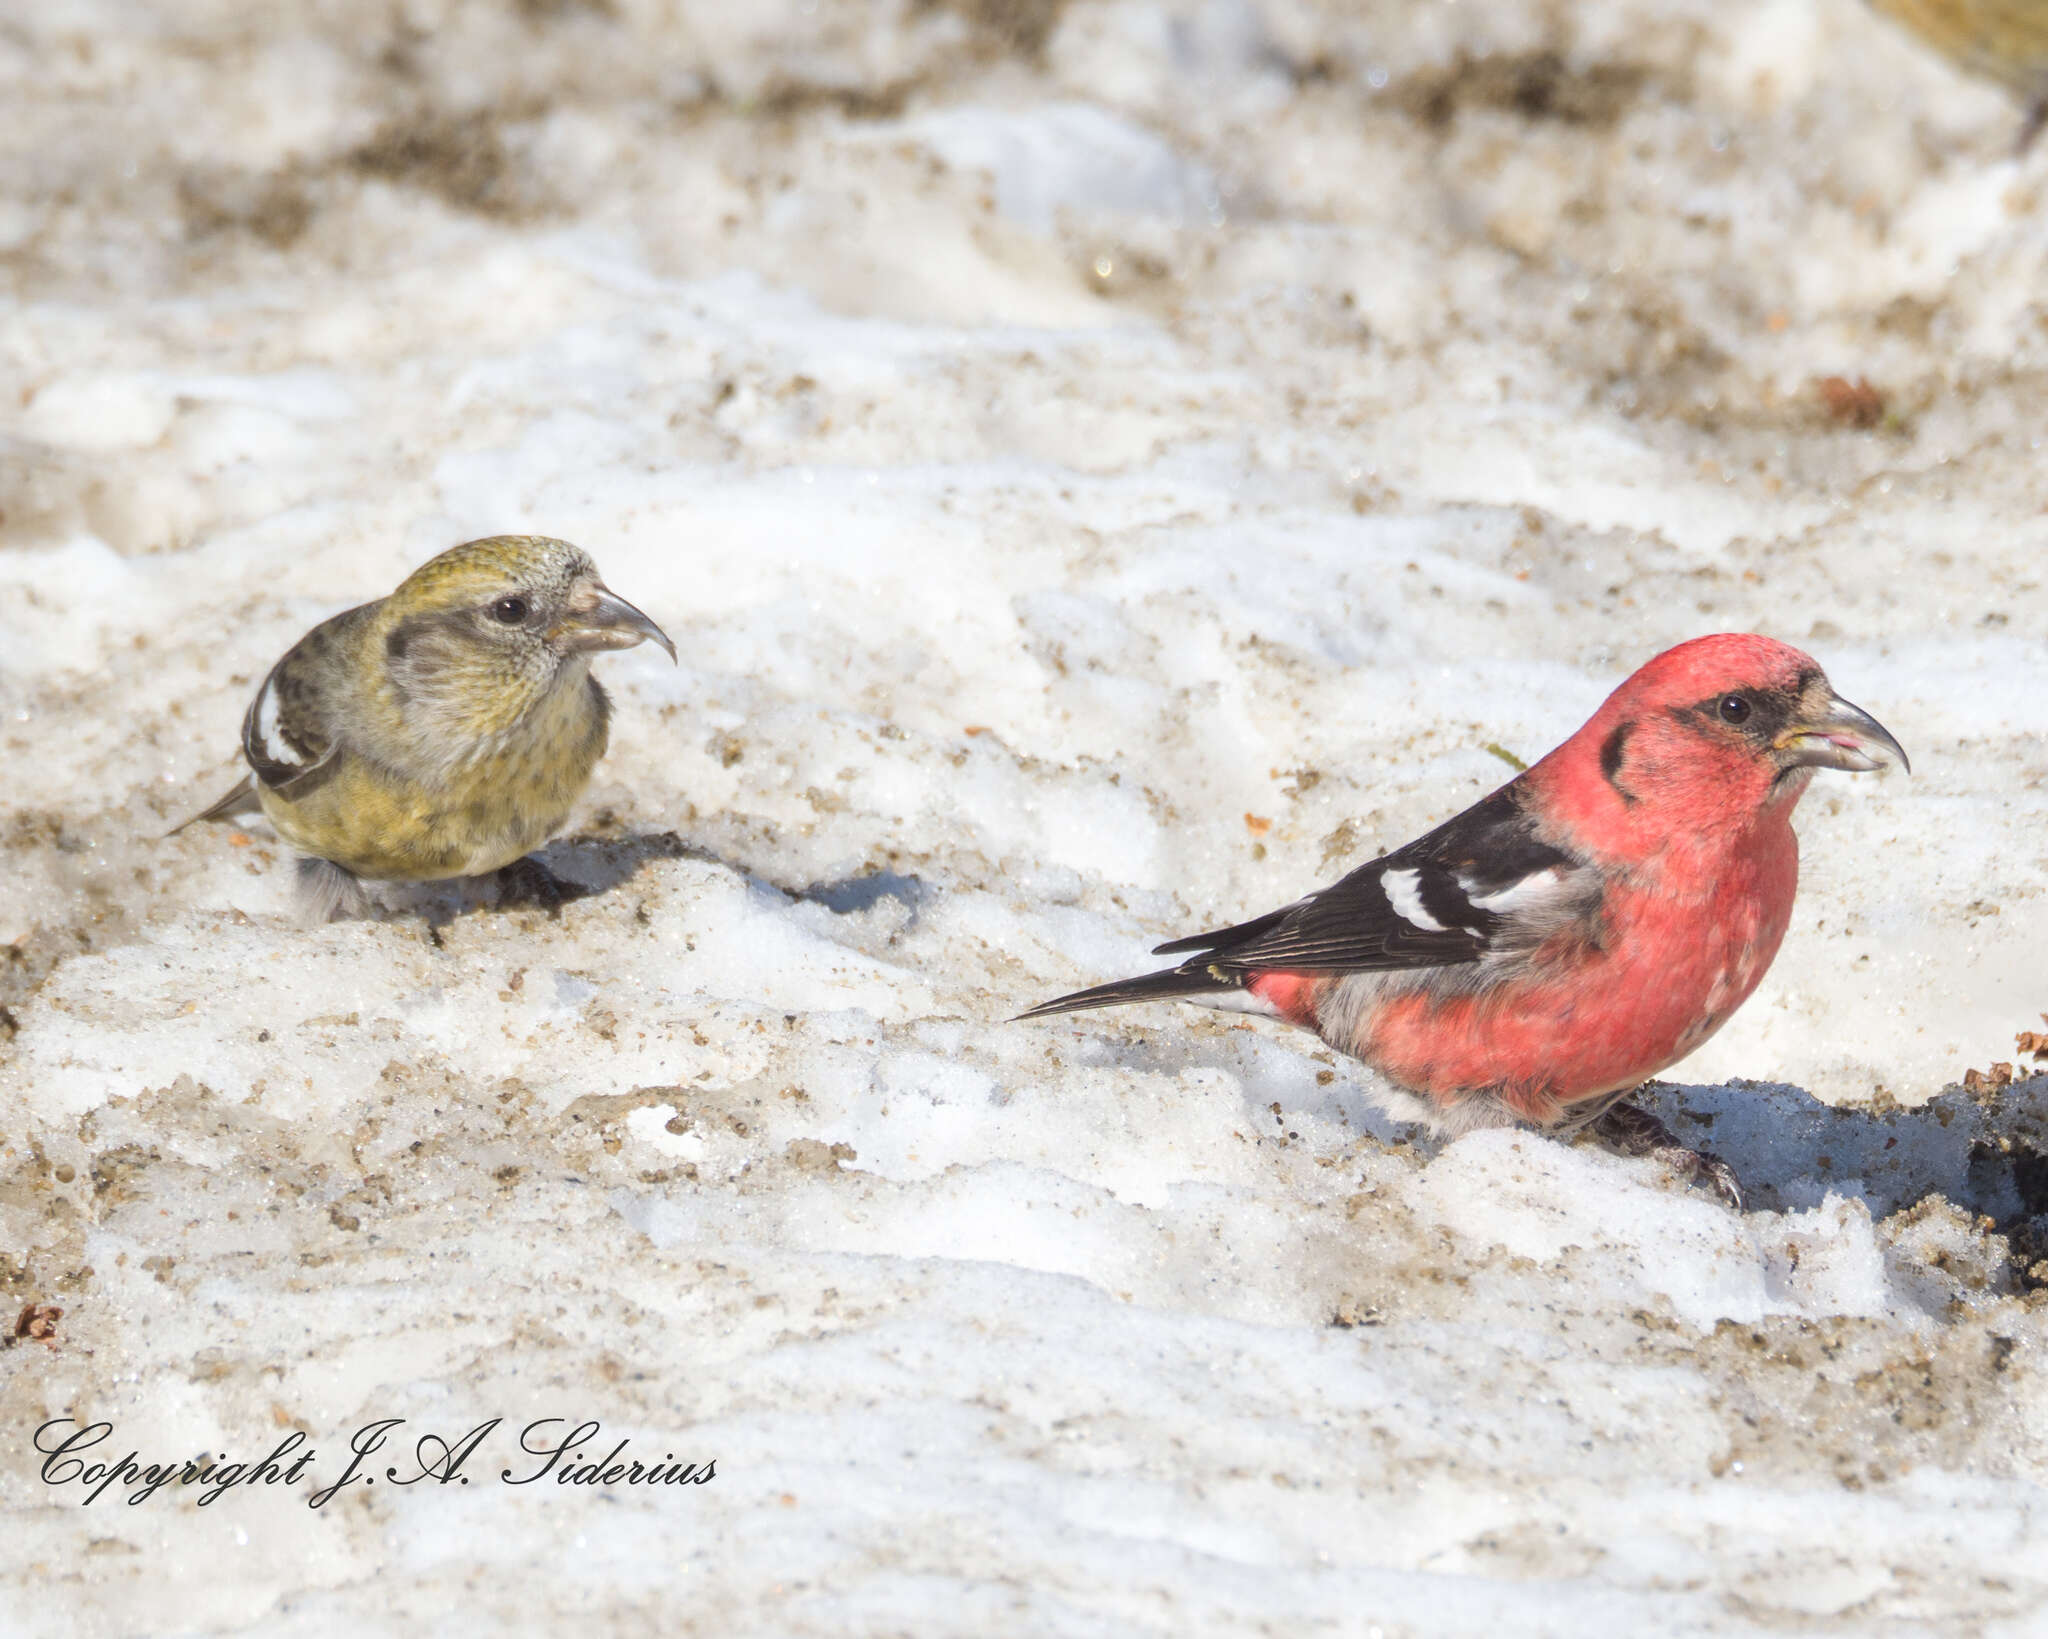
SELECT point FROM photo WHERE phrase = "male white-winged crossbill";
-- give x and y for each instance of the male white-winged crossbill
(2003, 40)
(1598, 917)
(446, 730)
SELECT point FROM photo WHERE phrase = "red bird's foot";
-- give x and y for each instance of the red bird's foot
(1630, 1130)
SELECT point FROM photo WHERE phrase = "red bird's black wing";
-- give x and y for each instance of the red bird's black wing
(1482, 882)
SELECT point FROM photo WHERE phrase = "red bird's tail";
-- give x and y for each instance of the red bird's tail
(1147, 987)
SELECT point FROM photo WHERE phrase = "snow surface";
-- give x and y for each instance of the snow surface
(1107, 467)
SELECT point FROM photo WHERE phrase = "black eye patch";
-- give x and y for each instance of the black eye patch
(1757, 714)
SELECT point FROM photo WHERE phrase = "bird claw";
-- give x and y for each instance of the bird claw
(326, 890)
(527, 881)
(1631, 1130)
(1702, 1167)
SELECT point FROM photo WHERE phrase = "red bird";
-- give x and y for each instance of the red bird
(1598, 917)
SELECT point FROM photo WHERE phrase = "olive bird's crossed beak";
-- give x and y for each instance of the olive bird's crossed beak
(1839, 735)
(598, 618)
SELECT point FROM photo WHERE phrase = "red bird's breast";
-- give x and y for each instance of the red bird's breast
(1580, 1020)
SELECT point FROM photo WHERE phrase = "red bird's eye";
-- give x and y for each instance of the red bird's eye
(1734, 709)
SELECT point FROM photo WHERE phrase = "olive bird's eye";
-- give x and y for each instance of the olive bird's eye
(512, 611)
(1734, 709)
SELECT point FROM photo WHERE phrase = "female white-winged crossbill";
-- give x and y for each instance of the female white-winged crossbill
(446, 730)
(2003, 40)
(1598, 917)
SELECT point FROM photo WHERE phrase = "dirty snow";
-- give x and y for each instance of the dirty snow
(1107, 468)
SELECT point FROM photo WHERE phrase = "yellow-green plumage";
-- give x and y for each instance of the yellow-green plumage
(398, 824)
(448, 729)
(2003, 40)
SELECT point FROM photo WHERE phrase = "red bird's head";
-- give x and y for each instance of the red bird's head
(1710, 738)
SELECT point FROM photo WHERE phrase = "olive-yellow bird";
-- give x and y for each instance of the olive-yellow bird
(443, 731)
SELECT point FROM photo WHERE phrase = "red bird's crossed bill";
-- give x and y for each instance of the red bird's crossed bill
(1594, 920)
